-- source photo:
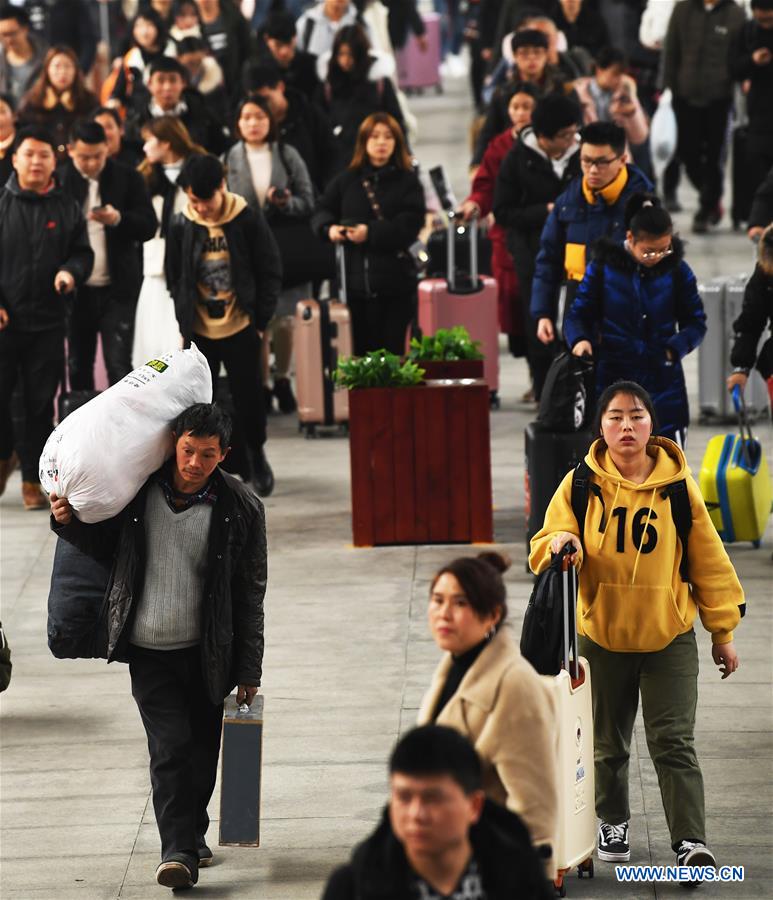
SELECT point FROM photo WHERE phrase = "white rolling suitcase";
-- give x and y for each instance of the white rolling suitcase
(576, 838)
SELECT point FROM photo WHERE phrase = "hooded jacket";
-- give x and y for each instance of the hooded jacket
(633, 314)
(508, 713)
(256, 271)
(574, 224)
(508, 866)
(39, 235)
(631, 597)
(756, 314)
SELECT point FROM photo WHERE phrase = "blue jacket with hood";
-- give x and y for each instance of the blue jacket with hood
(632, 314)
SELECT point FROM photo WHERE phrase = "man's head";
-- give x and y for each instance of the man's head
(34, 158)
(602, 153)
(335, 9)
(530, 53)
(110, 120)
(14, 28)
(88, 148)
(762, 10)
(555, 121)
(191, 52)
(610, 68)
(202, 438)
(267, 81)
(436, 791)
(279, 35)
(167, 82)
(203, 180)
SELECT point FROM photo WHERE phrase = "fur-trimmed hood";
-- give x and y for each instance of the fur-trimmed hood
(611, 253)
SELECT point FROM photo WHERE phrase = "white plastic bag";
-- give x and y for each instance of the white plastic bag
(663, 133)
(102, 454)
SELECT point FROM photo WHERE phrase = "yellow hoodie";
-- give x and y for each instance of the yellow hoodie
(631, 597)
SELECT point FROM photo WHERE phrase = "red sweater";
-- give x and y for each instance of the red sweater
(485, 179)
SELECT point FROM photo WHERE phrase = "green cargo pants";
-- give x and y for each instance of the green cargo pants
(668, 681)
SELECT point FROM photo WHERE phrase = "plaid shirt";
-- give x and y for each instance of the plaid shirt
(470, 887)
(177, 501)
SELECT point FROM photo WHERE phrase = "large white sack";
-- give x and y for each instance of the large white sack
(663, 134)
(102, 454)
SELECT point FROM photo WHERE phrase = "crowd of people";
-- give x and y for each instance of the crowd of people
(301, 104)
(198, 188)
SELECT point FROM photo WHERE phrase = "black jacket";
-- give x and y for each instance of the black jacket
(236, 571)
(123, 188)
(306, 128)
(202, 125)
(39, 235)
(301, 74)
(58, 120)
(588, 30)
(239, 45)
(377, 267)
(256, 270)
(508, 865)
(761, 214)
(756, 315)
(525, 185)
(759, 100)
(66, 22)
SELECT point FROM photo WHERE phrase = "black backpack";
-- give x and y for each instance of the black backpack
(542, 635)
(567, 399)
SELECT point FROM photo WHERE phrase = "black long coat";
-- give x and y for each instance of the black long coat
(756, 315)
(236, 572)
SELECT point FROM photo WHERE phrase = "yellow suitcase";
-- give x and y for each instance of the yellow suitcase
(735, 483)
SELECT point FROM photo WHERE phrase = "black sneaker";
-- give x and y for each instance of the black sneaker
(694, 853)
(700, 222)
(613, 843)
(262, 475)
(206, 856)
(672, 204)
(283, 392)
(178, 870)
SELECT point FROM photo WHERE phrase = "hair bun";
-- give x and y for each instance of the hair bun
(498, 561)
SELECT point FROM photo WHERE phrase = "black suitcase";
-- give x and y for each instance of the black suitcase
(743, 188)
(549, 456)
(240, 773)
(437, 245)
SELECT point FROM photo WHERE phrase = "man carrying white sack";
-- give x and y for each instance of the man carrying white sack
(186, 613)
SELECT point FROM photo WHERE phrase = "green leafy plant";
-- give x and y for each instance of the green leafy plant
(377, 369)
(447, 345)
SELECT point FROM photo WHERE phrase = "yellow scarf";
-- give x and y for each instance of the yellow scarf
(609, 194)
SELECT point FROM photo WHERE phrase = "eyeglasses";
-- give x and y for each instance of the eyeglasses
(656, 254)
(597, 163)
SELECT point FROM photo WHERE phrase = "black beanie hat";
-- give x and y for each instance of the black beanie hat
(529, 37)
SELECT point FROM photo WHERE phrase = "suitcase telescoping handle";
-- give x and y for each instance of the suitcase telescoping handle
(569, 578)
(341, 267)
(744, 427)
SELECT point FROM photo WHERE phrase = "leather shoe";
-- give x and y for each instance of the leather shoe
(262, 475)
(32, 496)
(7, 467)
(178, 870)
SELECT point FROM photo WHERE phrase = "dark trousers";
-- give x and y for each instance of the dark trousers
(380, 322)
(37, 357)
(183, 729)
(702, 133)
(96, 311)
(240, 354)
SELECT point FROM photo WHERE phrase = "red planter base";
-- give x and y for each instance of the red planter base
(421, 464)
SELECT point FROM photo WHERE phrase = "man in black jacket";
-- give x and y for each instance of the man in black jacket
(278, 46)
(439, 836)
(301, 123)
(169, 96)
(186, 612)
(540, 165)
(119, 218)
(224, 272)
(44, 254)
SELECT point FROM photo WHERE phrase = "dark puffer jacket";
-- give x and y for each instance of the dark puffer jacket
(39, 235)
(632, 315)
(756, 314)
(235, 582)
(377, 267)
(509, 868)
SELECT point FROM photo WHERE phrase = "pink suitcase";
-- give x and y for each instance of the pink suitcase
(417, 70)
(323, 333)
(465, 300)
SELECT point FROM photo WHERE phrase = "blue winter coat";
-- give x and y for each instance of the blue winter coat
(573, 224)
(632, 314)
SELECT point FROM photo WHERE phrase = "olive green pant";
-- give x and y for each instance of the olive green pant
(668, 682)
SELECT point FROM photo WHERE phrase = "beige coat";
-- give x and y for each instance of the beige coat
(507, 710)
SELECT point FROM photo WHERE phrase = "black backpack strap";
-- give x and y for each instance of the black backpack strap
(681, 513)
(308, 29)
(581, 486)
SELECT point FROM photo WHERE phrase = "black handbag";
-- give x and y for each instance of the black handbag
(568, 395)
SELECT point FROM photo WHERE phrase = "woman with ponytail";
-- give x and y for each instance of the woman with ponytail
(638, 312)
(484, 689)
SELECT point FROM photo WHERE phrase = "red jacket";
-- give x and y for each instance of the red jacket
(485, 179)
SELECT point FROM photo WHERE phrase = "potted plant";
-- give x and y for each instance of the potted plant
(420, 454)
(448, 353)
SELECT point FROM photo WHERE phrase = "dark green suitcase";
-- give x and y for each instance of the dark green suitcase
(241, 761)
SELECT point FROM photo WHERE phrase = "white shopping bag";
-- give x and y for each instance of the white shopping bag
(663, 133)
(102, 454)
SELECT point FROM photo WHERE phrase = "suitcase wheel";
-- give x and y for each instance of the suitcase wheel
(560, 888)
(585, 868)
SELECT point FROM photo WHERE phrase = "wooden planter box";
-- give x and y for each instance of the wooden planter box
(421, 464)
(459, 368)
